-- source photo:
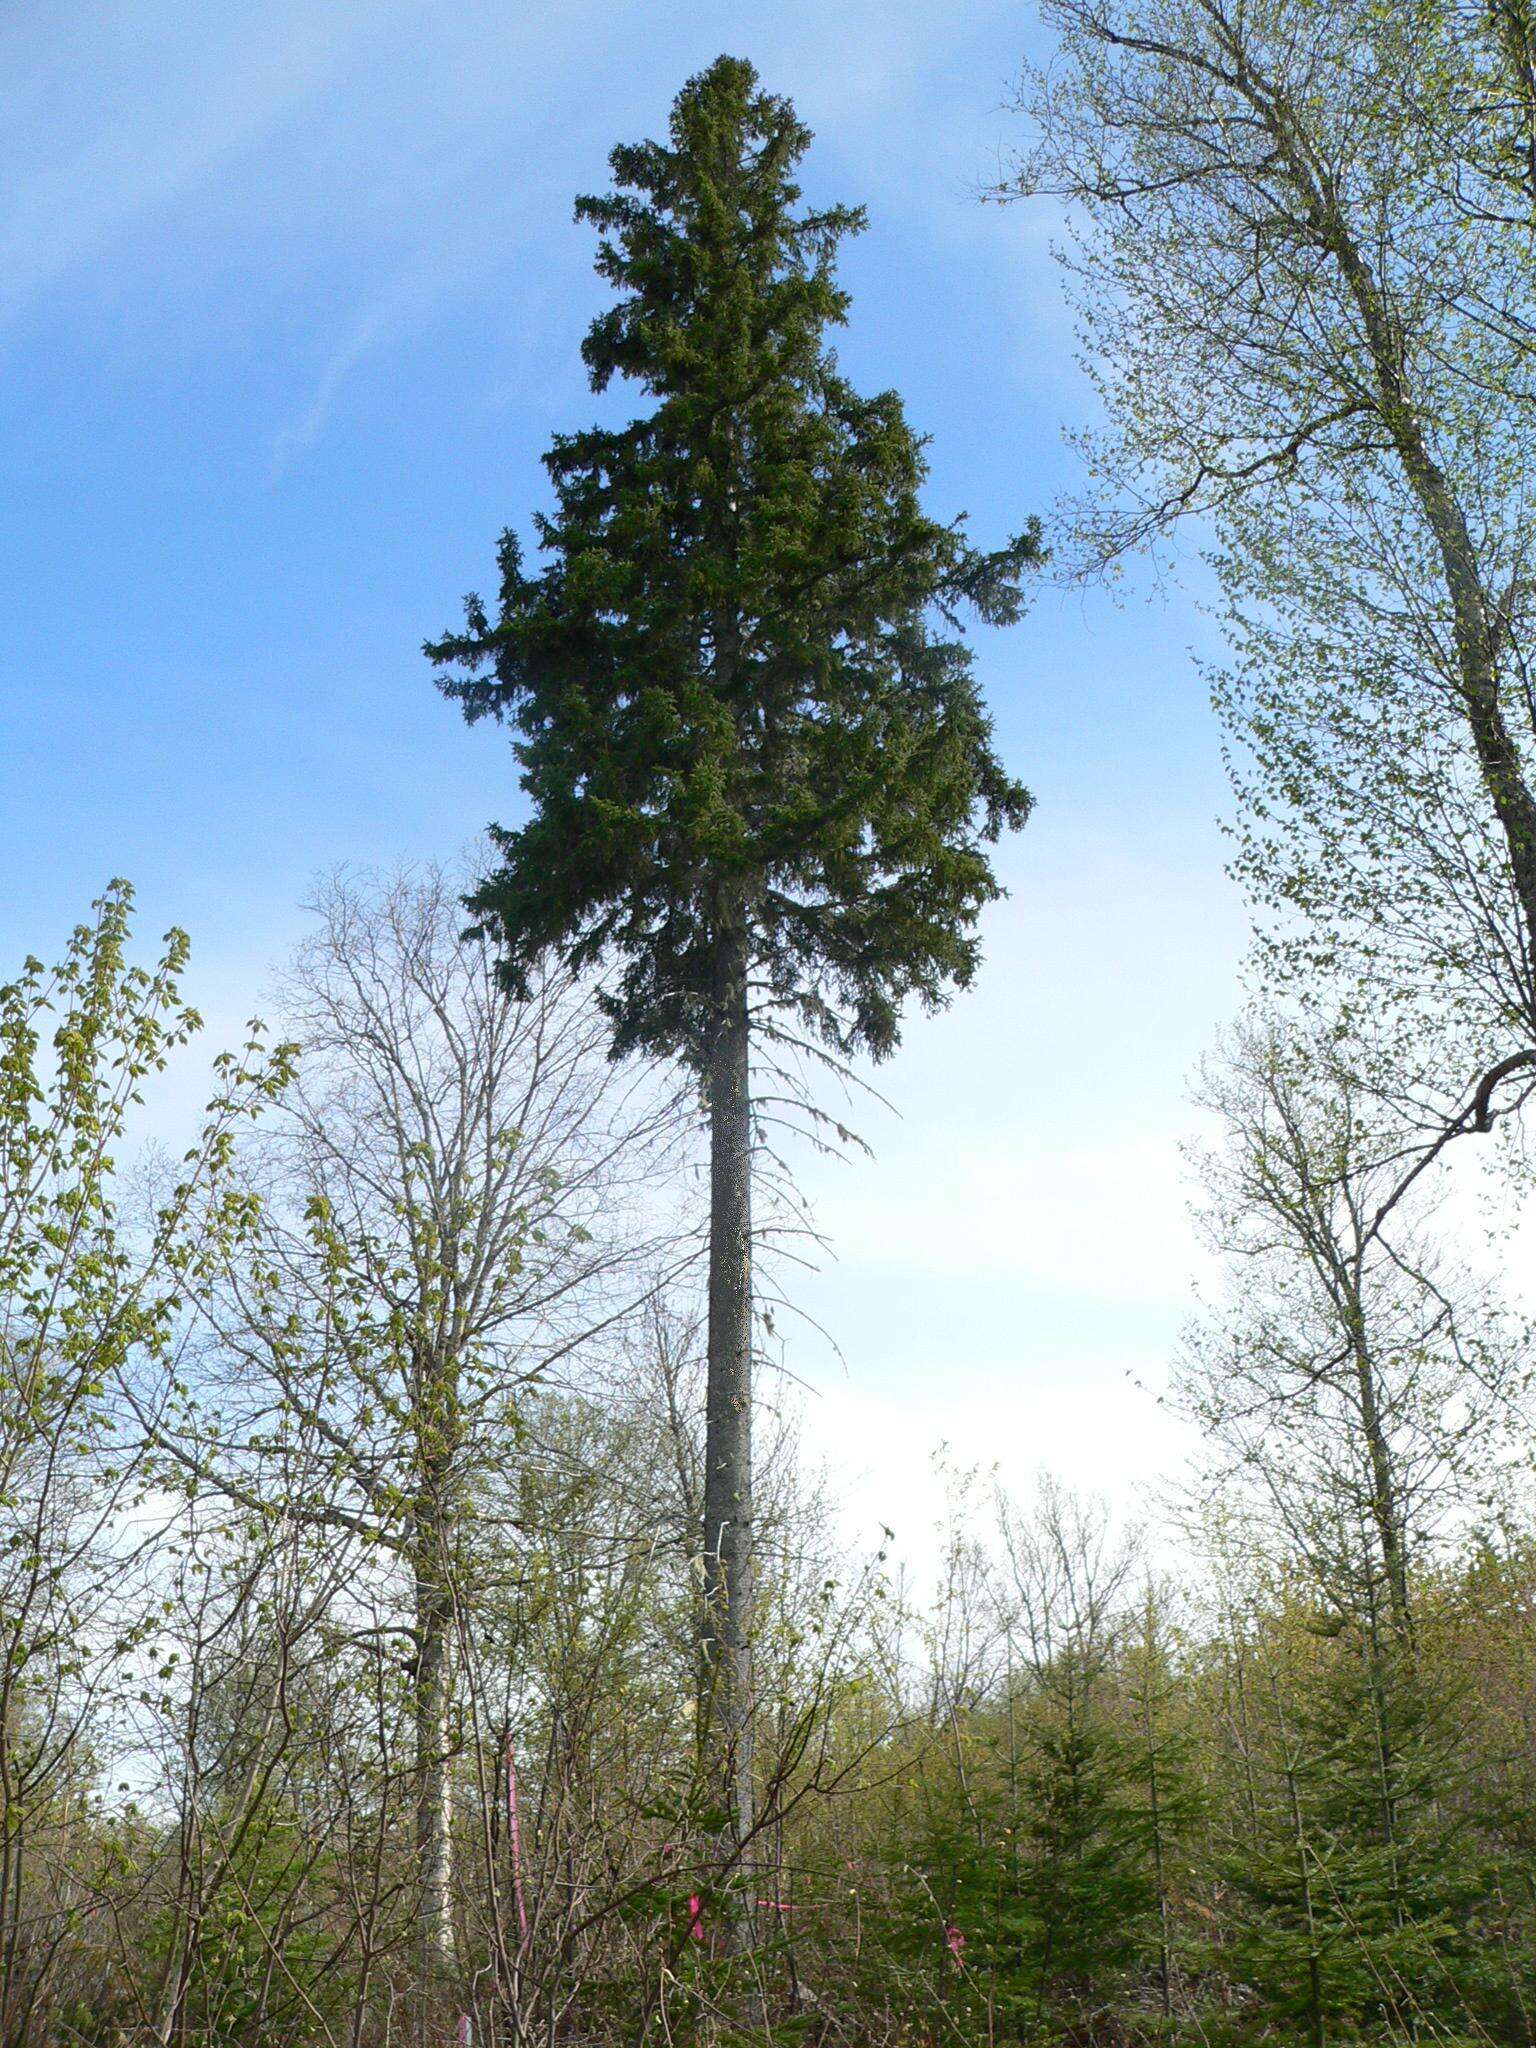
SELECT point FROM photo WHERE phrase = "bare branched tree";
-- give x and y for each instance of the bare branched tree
(464, 1198)
(1356, 1370)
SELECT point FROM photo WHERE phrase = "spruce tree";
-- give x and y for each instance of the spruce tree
(761, 779)
(1355, 1891)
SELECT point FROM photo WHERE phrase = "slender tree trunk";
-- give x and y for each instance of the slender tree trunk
(1319, 2026)
(1385, 1511)
(1476, 625)
(726, 1639)
(1154, 1804)
(12, 1830)
(434, 1805)
(435, 1391)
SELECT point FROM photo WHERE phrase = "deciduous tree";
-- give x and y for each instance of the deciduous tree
(1301, 240)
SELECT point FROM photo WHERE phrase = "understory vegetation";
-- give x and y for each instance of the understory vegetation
(351, 1487)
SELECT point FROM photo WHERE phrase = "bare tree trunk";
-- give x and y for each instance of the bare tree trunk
(437, 1424)
(1319, 2026)
(436, 1955)
(434, 1840)
(1154, 1803)
(726, 1644)
(1385, 1510)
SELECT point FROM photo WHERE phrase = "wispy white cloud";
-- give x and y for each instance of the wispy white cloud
(392, 130)
(118, 111)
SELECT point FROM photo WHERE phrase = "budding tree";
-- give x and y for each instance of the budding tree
(1300, 237)
(462, 1196)
(1355, 1373)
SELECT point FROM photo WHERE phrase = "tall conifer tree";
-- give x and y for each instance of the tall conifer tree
(761, 776)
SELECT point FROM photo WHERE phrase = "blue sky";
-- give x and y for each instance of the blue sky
(290, 306)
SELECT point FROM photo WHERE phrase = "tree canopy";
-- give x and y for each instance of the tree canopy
(737, 683)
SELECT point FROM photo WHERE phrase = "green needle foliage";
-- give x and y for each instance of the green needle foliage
(760, 773)
(1355, 1886)
(737, 684)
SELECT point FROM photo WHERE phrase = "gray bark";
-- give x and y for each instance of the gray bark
(726, 1636)
(434, 1809)
(435, 1526)
(1386, 1512)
